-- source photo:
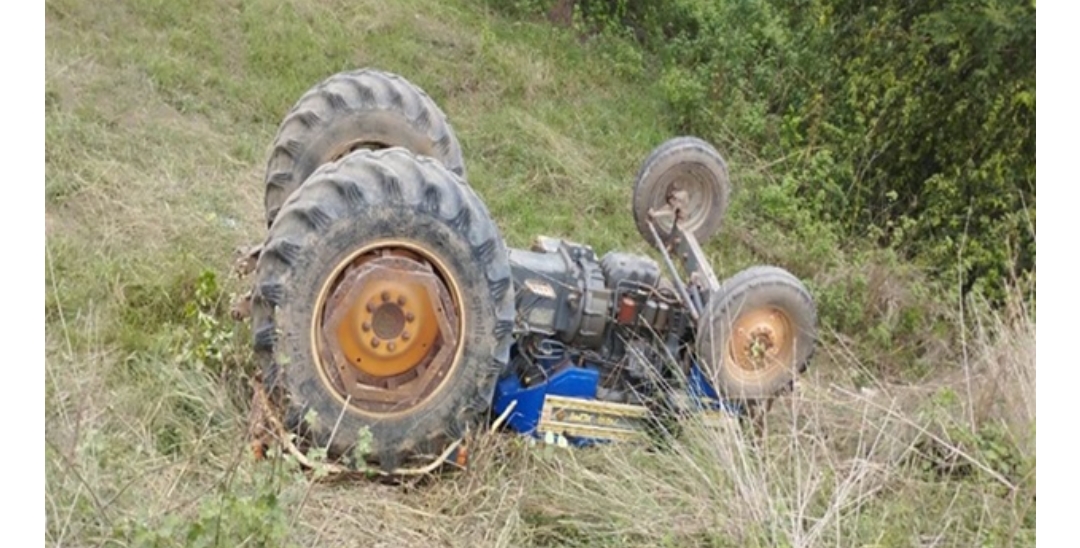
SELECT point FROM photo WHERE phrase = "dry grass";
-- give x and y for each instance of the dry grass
(888, 466)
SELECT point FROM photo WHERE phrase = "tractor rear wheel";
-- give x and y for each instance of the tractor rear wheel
(361, 109)
(383, 307)
(757, 333)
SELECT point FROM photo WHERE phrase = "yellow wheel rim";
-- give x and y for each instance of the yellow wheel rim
(388, 327)
(762, 341)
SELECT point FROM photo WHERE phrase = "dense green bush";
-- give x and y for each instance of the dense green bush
(911, 123)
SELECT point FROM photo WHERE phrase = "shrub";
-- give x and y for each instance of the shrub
(909, 123)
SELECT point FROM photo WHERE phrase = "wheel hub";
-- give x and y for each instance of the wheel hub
(687, 196)
(389, 330)
(388, 321)
(762, 339)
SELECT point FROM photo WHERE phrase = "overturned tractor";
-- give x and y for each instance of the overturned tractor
(389, 318)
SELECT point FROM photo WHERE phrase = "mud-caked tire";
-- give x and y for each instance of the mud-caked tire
(757, 333)
(394, 207)
(360, 109)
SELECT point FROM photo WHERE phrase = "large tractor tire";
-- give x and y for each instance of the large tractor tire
(361, 109)
(383, 309)
(688, 173)
(757, 333)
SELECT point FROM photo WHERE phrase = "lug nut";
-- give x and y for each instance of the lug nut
(369, 307)
(385, 296)
(405, 335)
(366, 327)
(409, 317)
(401, 300)
(375, 342)
(391, 346)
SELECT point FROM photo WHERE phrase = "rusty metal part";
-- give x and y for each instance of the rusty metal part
(260, 430)
(762, 340)
(628, 310)
(241, 307)
(246, 260)
(389, 329)
(367, 316)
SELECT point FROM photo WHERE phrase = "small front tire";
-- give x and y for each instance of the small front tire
(757, 333)
(686, 172)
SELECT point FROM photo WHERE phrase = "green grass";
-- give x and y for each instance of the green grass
(158, 117)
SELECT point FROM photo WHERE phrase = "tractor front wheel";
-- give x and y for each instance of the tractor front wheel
(757, 333)
(683, 179)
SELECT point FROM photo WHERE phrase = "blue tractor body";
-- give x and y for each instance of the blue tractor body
(563, 405)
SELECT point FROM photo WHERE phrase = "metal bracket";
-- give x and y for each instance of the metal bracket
(684, 294)
(702, 280)
(694, 261)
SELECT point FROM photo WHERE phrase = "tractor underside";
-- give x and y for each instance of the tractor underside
(603, 345)
(389, 319)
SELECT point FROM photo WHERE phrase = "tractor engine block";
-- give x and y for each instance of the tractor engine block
(564, 293)
(561, 292)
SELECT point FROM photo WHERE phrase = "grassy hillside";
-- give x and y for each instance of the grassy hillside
(158, 116)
